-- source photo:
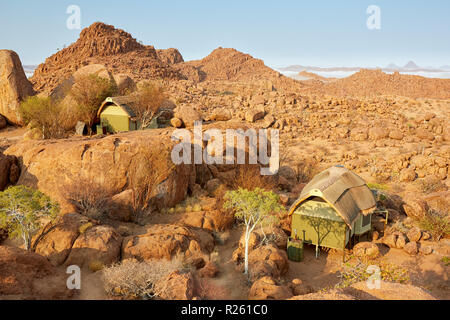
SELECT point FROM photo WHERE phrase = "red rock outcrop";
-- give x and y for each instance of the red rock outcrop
(14, 85)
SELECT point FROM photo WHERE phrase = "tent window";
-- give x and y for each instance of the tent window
(366, 220)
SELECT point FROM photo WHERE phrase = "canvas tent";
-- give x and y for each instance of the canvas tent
(332, 207)
(116, 115)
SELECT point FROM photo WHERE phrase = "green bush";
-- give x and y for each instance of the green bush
(22, 211)
(43, 114)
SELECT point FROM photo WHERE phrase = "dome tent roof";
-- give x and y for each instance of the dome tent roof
(343, 190)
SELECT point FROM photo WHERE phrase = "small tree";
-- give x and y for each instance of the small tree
(22, 210)
(253, 208)
(147, 101)
(43, 114)
(89, 92)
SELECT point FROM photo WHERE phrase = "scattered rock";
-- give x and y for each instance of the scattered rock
(299, 288)
(425, 250)
(253, 115)
(415, 208)
(210, 270)
(187, 114)
(176, 123)
(221, 114)
(411, 248)
(414, 234)
(367, 250)
(407, 175)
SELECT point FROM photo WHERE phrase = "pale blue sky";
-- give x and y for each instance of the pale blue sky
(319, 33)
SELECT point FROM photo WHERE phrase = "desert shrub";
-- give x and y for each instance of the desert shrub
(436, 222)
(446, 261)
(377, 186)
(249, 177)
(388, 272)
(209, 290)
(24, 210)
(147, 101)
(43, 114)
(306, 170)
(131, 279)
(430, 184)
(88, 198)
(89, 92)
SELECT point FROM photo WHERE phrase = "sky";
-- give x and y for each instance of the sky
(319, 33)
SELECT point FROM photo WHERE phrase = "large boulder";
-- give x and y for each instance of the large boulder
(14, 85)
(266, 288)
(164, 241)
(60, 92)
(366, 250)
(415, 208)
(111, 162)
(125, 85)
(169, 56)
(27, 275)
(9, 171)
(55, 240)
(267, 261)
(97, 245)
(214, 220)
(176, 286)
(187, 114)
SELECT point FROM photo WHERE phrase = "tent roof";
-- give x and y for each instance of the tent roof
(342, 189)
(123, 102)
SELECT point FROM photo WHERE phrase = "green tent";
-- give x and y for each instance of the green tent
(335, 205)
(116, 115)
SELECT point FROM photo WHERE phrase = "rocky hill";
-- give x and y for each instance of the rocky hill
(369, 83)
(103, 44)
(232, 65)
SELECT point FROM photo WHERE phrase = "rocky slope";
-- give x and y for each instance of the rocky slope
(370, 83)
(232, 65)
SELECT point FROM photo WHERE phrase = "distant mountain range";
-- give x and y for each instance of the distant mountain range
(411, 66)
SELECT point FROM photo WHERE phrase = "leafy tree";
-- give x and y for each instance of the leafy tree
(89, 92)
(147, 101)
(253, 208)
(22, 210)
(43, 114)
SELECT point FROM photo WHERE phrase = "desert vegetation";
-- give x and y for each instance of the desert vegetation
(146, 102)
(23, 211)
